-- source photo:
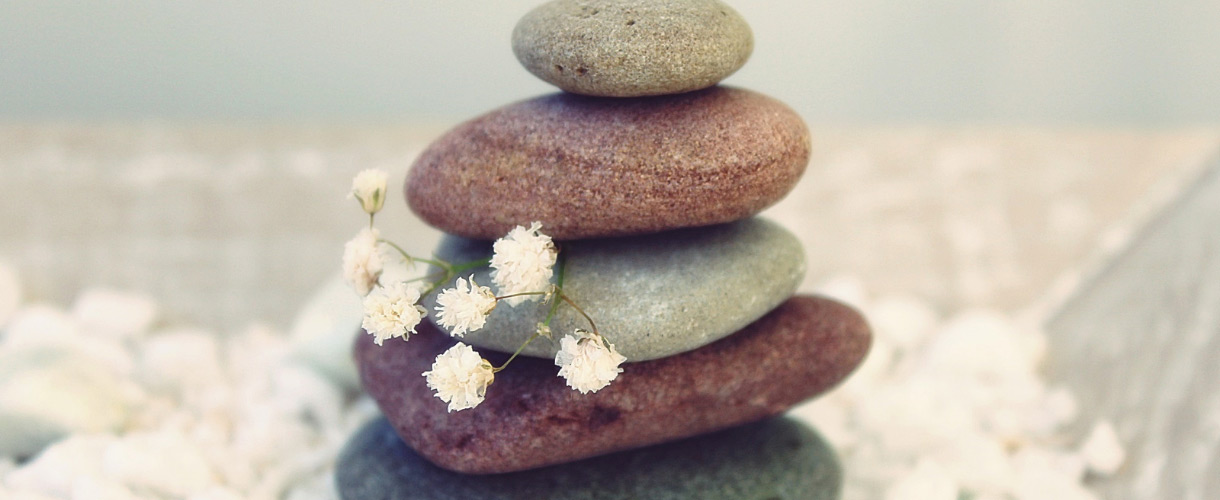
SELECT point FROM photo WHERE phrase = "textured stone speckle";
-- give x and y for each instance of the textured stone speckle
(632, 48)
(531, 419)
(591, 167)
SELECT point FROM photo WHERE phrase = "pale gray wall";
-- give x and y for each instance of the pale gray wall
(1042, 61)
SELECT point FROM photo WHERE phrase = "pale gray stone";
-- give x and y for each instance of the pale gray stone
(776, 459)
(1140, 344)
(652, 296)
(632, 48)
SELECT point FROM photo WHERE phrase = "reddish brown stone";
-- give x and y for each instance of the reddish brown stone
(531, 419)
(592, 167)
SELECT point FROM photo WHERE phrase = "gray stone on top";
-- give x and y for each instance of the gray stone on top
(632, 48)
(775, 459)
(652, 296)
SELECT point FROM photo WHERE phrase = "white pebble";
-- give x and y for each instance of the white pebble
(1102, 451)
(166, 463)
(47, 394)
(216, 493)
(54, 471)
(848, 289)
(40, 324)
(94, 488)
(904, 321)
(10, 293)
(113, 313)
(927, 481)
(325, 329)
(180, 361)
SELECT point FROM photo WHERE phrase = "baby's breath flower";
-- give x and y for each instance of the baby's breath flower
(587, 361)
(522, 262)
(544, 330)
(392, 312)
(362, 262)
(460, 377)
(368, 187)
(464, 308)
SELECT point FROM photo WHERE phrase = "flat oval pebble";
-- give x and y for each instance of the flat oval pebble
(652, 296)
(776, 459)
(593, 167)
(531, 418)
(632, 48)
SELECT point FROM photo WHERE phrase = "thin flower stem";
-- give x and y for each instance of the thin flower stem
(519, 349)
(405, 255)
(581, 311)
(370, 215)
(433, 276)
(471, 265)
(501, 297)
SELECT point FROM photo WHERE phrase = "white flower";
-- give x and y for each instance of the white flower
(460, 377)
(587, 361)
(522, 262)
(392, 312)
(362, 261)
(369, 188)
(464, 308)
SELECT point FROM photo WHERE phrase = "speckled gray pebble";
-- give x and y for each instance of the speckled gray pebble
(632, 48)
(776, 459)
(652, 296)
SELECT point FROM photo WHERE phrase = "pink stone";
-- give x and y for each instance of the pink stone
(592, 167)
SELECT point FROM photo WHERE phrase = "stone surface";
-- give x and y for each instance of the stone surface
(532, 419)
(591, 167)
(632, 48)
(1139, 344)
(776, 459)
(652, 296)
(322, 331)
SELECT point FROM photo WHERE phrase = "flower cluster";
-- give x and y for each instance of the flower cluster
(522, 265)
(588, 361)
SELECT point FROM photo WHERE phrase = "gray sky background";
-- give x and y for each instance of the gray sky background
(1103, 62)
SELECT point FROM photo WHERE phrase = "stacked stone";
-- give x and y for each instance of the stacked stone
(648, 175)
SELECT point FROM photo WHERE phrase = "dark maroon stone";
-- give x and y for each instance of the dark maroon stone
(531, 418)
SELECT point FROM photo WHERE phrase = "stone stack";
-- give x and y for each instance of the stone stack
(648, 176)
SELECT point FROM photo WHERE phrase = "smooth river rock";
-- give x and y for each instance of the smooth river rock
(590, 167)
(776, 459)
(531, 419)
(652, 296)
(632, 48)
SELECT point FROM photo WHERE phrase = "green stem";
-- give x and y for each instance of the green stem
(471, 265)
(581, 311)
(501, 297)
(519, 349)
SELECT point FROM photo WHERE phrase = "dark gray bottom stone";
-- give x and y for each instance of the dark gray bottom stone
(776, 459)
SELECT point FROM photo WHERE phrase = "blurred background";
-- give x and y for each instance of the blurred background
(971, 160)
(1132, 62)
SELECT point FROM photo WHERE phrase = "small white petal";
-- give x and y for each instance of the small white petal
(587, 362)
(369, 188)
(522, 262)
(460, 377)
(362, 261)
(1103, 453)
(464, 307)
(392, 312)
